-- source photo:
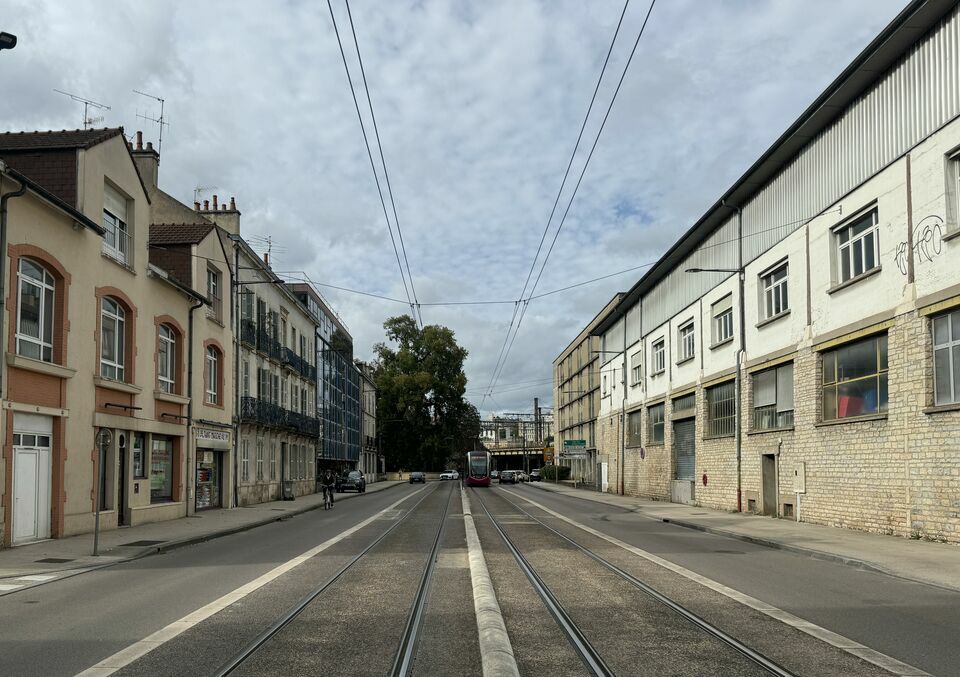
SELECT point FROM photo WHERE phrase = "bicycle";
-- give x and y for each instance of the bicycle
(327, 497)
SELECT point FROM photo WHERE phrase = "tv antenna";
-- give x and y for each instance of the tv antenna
(200, 190)
(159, 120)
(87, 103)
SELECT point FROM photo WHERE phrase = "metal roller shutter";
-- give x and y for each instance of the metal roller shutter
(684, 449)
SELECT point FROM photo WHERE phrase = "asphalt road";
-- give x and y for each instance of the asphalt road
(355, 624)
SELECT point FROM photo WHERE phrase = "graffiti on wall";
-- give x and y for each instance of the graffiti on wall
(927, 243)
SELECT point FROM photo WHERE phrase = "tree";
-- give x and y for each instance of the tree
(422, 415)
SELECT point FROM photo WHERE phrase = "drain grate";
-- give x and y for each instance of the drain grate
(137, 544)
(53, 560)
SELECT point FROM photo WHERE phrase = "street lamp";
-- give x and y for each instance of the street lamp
(8, 41)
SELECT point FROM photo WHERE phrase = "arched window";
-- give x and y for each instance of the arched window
(167, 359)
(213, 375)
(112, 339)
(35, 311)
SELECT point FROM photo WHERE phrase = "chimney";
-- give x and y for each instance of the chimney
(147, 161)
(233, 205)
(266, 259)
(196, 206)
(223, 208)
(206, 205)
(226, 217)
(214, 202)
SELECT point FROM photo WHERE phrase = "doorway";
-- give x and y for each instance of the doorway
(768, 474)
(683, 488)
(32, 472)
(122, 480)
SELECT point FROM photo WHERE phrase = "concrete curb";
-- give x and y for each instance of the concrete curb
(496, 651)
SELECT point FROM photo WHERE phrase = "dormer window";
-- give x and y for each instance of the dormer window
(118, 240)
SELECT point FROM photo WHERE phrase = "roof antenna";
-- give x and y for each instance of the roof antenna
(87, 120)
(159, 120)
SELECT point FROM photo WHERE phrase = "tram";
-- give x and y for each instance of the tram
(477, 469)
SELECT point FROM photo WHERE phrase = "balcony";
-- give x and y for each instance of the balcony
(248, 332)
(266, 413)
(291, 359)
(118, 245)
(308, 371)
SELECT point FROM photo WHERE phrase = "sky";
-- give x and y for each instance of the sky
(478, 106)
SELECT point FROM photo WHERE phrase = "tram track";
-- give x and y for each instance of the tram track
(576, 638)
(406, 650)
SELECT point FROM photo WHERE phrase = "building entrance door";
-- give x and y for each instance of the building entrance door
(122, 480)
(768, 471)
(31, 477)
(684, 461)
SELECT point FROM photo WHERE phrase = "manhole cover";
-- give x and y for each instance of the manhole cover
(53, 560)
(730, 552)
(137, 544)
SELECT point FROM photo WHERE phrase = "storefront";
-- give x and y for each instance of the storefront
(212, 446)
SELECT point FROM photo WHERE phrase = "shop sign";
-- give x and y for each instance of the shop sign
(212, 435)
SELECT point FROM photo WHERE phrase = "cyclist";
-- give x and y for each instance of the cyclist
(328, 484)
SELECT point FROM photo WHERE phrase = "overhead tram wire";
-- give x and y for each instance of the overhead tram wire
(576, 188)
(563, 183)
(383, 161)
(373, 166)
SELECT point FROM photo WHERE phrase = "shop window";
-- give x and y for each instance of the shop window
(139, 456)
(855, 379)
(773, 398)
(721, 409)
(634, 438)
(166, 359)
(687, 341)
(161, 470)
(946, 358)
(112, 339)
(722, 314)
(775, 299)
(858, 247)
(655, 423)
(659, 357)
(35, 311)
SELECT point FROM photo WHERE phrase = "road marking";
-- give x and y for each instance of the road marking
(496, 651)
(4, 587)
(37, 577)
(141, 648)
(836, 640)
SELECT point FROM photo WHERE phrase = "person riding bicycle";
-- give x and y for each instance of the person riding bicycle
(328, 484)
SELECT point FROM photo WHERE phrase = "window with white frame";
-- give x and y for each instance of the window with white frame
(214, 293)
(953, 192)
(855, 379)
(636, 372)
(605, 391)
(117, 238)
(858, 247)
(35, 311)
(773, 398)
(245, 460)
(775, 299)
(659, 357)
(213, 375)
(722, 314)
(245, 377)
(166, 359)
(112, 335)
(946, 358)
(259, 460)
(273, 461)
(687, 342)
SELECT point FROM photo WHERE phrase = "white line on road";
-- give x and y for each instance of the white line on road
(496, 651)
(139, 649)
(839, 641)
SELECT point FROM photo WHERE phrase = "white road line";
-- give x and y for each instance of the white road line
(839, 641)
(139, 649)
(496, 651)
(5, 587)
(37, 577)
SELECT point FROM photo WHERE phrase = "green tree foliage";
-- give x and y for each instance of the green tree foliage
(422, 415)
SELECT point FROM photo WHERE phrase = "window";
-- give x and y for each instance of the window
(605, 385)
(166, 359)
(636, 371)
(245, 460)
(112, 334)
(687, 342)
(259, 460)
(213, 375)
(722, 313)
(659, 357)
(303, 401)
(773, 286)
(655, 422)
(721, 409)
(35, 312)
(633, 429)
(117, 239)
(858, 247)
(946, 358)
(684, 403)
(273, 461)
(773, 398)
(245, 376)
(139, 456)
(213, 293)
(161, 470)
(283, 393)
(855, 379)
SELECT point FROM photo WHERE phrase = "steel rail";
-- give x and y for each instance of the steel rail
(755, 656)
(298, 608)
(588, 654)
(411, 633)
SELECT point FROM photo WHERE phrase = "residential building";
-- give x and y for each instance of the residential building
(370, 459)
(797, 346)
(576, 394)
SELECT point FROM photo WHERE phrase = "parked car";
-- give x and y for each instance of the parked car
(418, 477)
(521, 476)
(494, 474)
(353, 481)
(508, 477)
(450, 475)
(535, 475)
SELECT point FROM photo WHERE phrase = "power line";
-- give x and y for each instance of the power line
(373, 166)
(383, 160)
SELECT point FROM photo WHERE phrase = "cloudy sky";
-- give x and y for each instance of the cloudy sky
(478, 105)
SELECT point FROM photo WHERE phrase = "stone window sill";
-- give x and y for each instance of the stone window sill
(38, 366)
(654, 444)
(721, 343)
(117, 385)
(788, 429)
(719, 437)
(170, 397)
(952, 232)
(658, 373)
(942, 408)
(853, 280)
(771, 320)
(853, 419)
(685, 360)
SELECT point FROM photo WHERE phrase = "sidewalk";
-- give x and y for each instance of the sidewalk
(923, 561)
(36, 563)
